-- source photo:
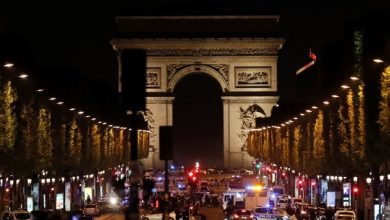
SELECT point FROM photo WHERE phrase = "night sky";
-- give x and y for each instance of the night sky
(66, 44)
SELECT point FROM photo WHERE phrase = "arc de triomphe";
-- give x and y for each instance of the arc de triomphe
(245, 68)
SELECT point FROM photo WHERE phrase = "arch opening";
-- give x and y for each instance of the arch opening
(198, 121)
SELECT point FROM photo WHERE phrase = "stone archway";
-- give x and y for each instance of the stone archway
(176, 76)
(245, 68)
(198, 121)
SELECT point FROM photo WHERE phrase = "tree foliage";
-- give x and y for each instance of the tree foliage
(8, 121)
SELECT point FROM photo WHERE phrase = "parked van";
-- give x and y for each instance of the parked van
(237, 196)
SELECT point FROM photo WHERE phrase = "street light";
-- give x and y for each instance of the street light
(8, 65)
(368, 203)
(368, 180)
(378, 60)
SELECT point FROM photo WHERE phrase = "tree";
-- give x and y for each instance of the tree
(44, 150)
(28, 140)
(384, 116)
(318, 142)
(8, 121)
(95, 145)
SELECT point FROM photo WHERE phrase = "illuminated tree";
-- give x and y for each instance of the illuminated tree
(285, 146)
(249, 143)
(74, 145)
(143, 144)
(296, 156)
(353, 103)
(384, 116)
(95, 144)
(256, 145)
(44, 151)
(126, 145)
(110, 147)
(278, 147)
(362, 119)
(384, 104)
(267, 145)
(8, 120)
(28, 139)
(306, 148)
(103, 146)
(345, 146)
(318, 142)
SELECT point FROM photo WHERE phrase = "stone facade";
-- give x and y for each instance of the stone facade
(246, 70)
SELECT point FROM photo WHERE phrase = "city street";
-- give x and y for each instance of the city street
(210, 213)
(250, 109)
(110, 217)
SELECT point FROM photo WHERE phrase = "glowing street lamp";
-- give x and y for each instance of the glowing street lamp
(378, 60)
(354, 78)
(8, 65)
(368, 180)
(23, 76)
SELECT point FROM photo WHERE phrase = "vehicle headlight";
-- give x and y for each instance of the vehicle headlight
(113, 200)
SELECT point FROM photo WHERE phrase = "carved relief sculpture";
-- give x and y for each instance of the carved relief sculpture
(153, 77)
(248, 118)
(253, 76)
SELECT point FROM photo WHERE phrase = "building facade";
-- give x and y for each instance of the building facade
(244, 67)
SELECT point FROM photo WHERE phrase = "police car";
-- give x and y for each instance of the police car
(266, 213)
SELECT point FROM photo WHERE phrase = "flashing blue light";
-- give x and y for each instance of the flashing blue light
(172, 167)
(267, 205)
(248, 187)
(159, 179)
(154, 190)
(273, 196)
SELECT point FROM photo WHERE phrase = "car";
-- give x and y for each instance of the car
(16, 215)
(262, 213)
(92, 209)
(344, 214)
(281, 214)
(157, 215)
(242, 214)
(282, 203)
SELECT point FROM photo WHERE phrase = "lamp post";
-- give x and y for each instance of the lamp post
(381, 195)
(368, 200)
(355, 192)
(388, 186)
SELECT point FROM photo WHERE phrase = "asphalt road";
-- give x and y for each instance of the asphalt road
(211, 214)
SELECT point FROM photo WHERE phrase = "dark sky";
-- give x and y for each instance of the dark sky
(67, 44)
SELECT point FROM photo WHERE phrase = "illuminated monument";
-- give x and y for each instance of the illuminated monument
(239, 52)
